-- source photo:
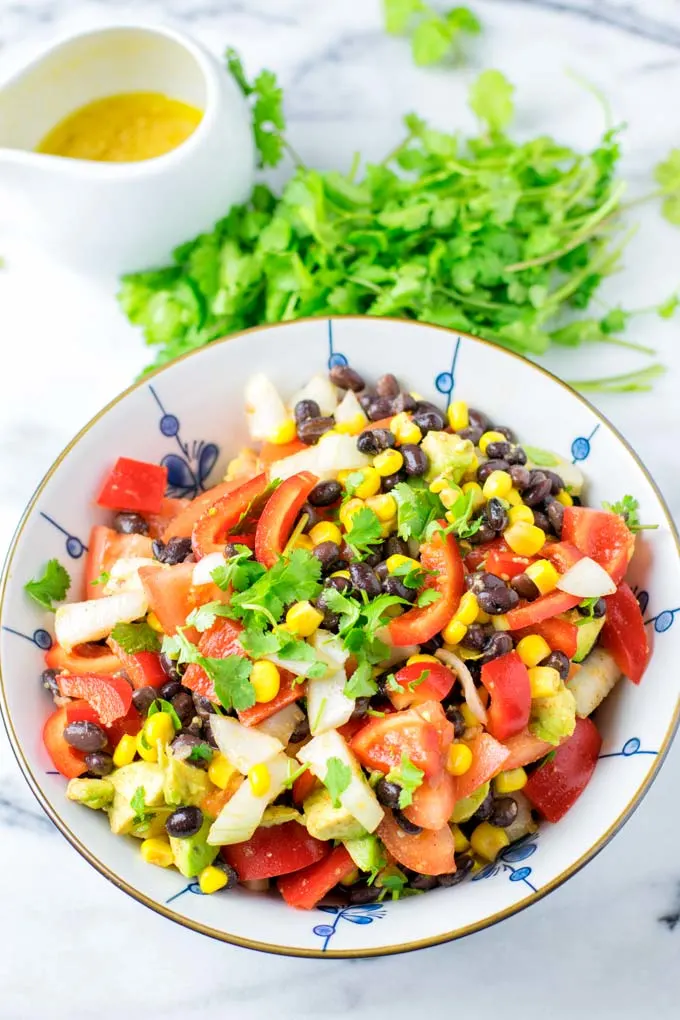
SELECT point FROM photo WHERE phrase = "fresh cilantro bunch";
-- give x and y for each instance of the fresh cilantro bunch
(266, 101)
(358, 627)
(434, 36)
(230, 676)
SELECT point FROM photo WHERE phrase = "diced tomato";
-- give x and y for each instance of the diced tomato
(182, 525)
(437, 683)
(381, 423)
(624, 633)
(564, 555)
(130, 723)
(488, 759)
(428, 853)
(561, 634)
(134, 485)
(416, 626)
(556, 785)
(169, 591)
(86, 658)
(220, 641)
(544, 608)
(213, 802)
(271, 452)
(169, 510)
(474, 559)
(275, 850)
(503, 562)
(289, 692)
(433, 802)
(601, 535)
(507, 681)
(381, 742)
(279, 514)
(213, 528)
(143, 668)
(525, 748)
(65, 758)
(303, 786)
(303, 889)
(110, 696)
(104, 548)
(352, 726)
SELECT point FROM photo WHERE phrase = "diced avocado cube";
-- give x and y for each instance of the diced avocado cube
(193, 854)
(183, 783)
(466, 807)
(448, 454)
(93, 793)
(327, 822)
(554, 718)
(126, 781)
(366, 852)
(278, 814)
(588, 633)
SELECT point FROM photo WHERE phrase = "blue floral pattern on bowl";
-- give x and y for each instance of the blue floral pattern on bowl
(189, 469)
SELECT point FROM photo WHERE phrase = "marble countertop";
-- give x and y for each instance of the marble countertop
(606, 944)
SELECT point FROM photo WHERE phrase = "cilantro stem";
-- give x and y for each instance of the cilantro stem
(629, 382)
(619, 342)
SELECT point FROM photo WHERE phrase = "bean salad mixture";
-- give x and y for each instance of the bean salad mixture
(360, 666)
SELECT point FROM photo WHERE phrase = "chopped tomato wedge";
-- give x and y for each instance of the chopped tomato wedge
(220, 641)
(109, 696)
(65, 758)
(169, 510)
(433, 802)
(271, 452)
(556, 785)
(381, 742)
(441, 556)
(624, 633)
(437, 683)
(561, 635)
(488, 759)
(428, 853)
(169, 591)
(182, 525)
(303, 786)
(507, 681)
(544, 608)
(134, 485)
(289, 692)
(601, 535)
(503, 562)
(213, 802)
(143, 668)
(104, 548)
(278, 517)
(275, 850)
(86, 658)
(303, 889)
(227, 517)
(563, 555)
(352, 726)
(524, 749)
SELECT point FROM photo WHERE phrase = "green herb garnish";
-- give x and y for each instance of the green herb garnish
(51, 587)
(337, 779)
(136, 637)
(628, 507)
(161, 705)
(409, 777)
(434, 36)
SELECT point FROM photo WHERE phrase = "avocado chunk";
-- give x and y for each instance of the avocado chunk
(587, 635)
(466, 807)
(279, 814)
(193, 854)
(448, 454)
(126, 781)
(327, 822)
(93, 793)
(366, 852)
(184, 784)
(554, 718)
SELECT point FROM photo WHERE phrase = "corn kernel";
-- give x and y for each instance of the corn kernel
(483, 617)
(521, 513)
(342, 573)
(325, 531)
(220, 770)
(510, 781)
(564, 498)
(544, 575)
(533, 649)
(157, 851)
(397, 560)
(303, 542)
(266, 679)
(387, 527)
(303, 619)
(259, 779)
(159, 727)
(524, 539)
(497, 485)
(544, 681)
(467, 608)
(454, 632)
(450, 495)
(513, 498)
(413, 659)
(384, 507)
(438, 485)
(468, 715)
(350, 879)
(349, 509)
(285, 432)
(457, 415)
(146, 751)
(491, 437)
(500, 622)
(354, 425)
(460, 841)
(125, 752)
(459, 759)
(478, 495)
(488, 840)
(369, 484)
(471, 470)
(212, 879)
(478, 863)
(154, 623)
(405, 430)
(388, 462)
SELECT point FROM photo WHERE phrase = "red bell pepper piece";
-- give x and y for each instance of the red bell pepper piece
(278, 517)
(507, 681)
(65, 758)
(488, 759)
(352, 726)
(624, 633)
(289, 692)
(219, 642)
(143, 668)
(109, 696)
(544, 608)
(86, 658)
(134, 485)
(182, 525)
(275, 850)
(602, 535)
(104, 548)
(563, 555)
(441, 556)
(235, 512)
(303, 889)
(130, 723)
(303, 786)
(437, 684)
(80, 711)
(561, 635)
(428, 853)
(556, 785)
(503, 562)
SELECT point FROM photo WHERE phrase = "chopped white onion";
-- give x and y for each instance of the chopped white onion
(329, 647)
(320, 389)
(472, 698)
(327, 705)
(202, 573)
(124, 574)
(587, 579)
(244, 746)
(282, 724)
(349, 410)
(241, 815)
(78, 622)
(265, 411)
(358, 799)
(597, 676)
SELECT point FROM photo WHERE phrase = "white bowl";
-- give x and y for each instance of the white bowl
(190, 416)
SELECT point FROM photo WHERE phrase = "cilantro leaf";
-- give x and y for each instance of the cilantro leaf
(337, 779)
(201, 752)
(586, 607)
(398, 14)
(427, 597)
(411, 576)
(394, 883)
(347, 608)
(365, 531)
(203, 617)
(417, 508)
(51, 587)
(136, 637)
(258, 642)
(542, 458)
(103, 578)
(491, 100)
(267, 109)
(288, 783)
(459, 515)
(628, 508)
(231, 679)
(409, 777)
(291, 580)
(161, 705)
(361, 683)
(240, 571)
(142, 817)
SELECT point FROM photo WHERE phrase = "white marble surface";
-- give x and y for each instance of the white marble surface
(603, 945)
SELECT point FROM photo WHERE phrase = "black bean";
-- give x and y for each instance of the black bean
(387, 386)
(379, 408)
(312, 514)
(517, 456)
(388, 793)
(483, 812)
(230, 550)
(499, 601)
(170, 689)
(464, 865)
(496, 515)
(416, 461)
(558, 661)
(142, 698)
(311, 430)
(476, 637)
(525, 587)
(427, 405)
(363, 894)
(366, 399)
(484, 470)
(498, 451)
(390, 481)
(455, 716)
(404, 824)
(85, 736)
(331, 620)
(231, 873)
(520, 475)
(472, 433)
(327, 553)
(539, 488)
(429, 421)
(395, 546)
(403, 402)
(325, 493)
(482, 580)
(599, 608)
(504, 812)
(498, 644)
(361, 707)
(373, 559)
(128, 523)
(48, 678)
(505, 431)
(339, 583)
(555, 480)
(306, 409)
(183, 704)
(184, 822)
(346, 378)
(170, 667)
(431, 646)
(301, 731)
(542, 520)
(364, 579)
(185, 744)
(372, 441)
(555, 515)
(195, 727)
(482, 535)
(204, 706)
(394, 586)
(424, 882)
(99, 763)
(479, 419)
(381, 572)
(176, 551)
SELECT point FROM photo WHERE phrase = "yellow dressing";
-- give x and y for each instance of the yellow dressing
(123, 129)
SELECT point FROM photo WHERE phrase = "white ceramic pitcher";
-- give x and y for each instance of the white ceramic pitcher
(122, 216)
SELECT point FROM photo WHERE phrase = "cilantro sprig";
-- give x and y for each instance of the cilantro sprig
(141, 817)
(51, 587)
(359, 623)
(337, 779)
(266, 101)
(628, 507)
(365, 531)
(409, 777)
(434, 36)
(136, 637)
(230, 676)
